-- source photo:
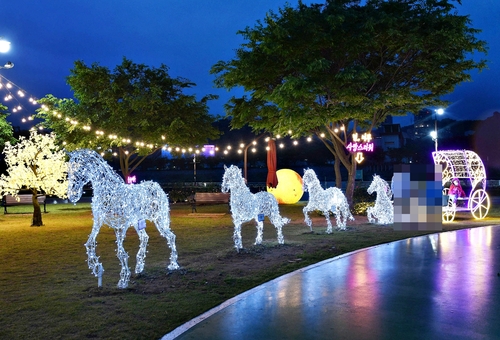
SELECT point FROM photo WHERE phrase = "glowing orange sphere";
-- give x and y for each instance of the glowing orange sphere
(289, 188)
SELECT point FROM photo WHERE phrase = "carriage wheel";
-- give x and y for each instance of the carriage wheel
(480, 204)
(449, 212)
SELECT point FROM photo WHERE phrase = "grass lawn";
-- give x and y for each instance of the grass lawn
(48, 292)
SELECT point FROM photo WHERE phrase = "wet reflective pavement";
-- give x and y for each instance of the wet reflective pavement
(439, 286)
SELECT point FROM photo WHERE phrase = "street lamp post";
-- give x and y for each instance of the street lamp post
(194, 168)
(434, 134)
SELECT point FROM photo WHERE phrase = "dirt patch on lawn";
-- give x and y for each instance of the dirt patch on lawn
(259, 263)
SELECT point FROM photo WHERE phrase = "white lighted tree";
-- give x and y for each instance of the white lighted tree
(36, 164)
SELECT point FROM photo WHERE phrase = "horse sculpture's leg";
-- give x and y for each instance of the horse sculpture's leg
(123, 257)
(329, 228)
(237, 236)
(308, 221)
(260, 228)
(164, 229)
(338, 216)
(370, 215)
(338, 219)
(93, 259)
(173, 251)
(141, 254)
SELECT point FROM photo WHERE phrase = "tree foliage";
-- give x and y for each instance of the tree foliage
(135, 108)
(36, 164)
(316, 68)
(6, 131)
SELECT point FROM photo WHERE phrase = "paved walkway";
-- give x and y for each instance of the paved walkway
(440, 286)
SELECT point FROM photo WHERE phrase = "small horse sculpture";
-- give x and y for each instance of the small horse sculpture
(119, 206)
(325, 200)
(246, 206)
(383, 210)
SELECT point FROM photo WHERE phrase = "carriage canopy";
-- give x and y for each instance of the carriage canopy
(462, 164)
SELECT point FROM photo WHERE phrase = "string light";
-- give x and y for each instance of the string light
(246, 206)
(119, 206)
(325, 200)
(21, 93)
(383, 210)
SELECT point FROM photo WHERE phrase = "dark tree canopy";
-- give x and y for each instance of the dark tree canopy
(6, 131)
(134, 108)
(315, 68)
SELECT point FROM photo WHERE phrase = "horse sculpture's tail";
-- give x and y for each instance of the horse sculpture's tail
(279, 221)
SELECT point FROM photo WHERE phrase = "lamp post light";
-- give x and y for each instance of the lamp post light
(434, 134)
(4, 45)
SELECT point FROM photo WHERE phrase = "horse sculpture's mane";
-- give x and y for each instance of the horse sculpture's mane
(95, 166)
(233, 175)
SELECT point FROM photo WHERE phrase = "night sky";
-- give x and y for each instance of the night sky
(188, 36)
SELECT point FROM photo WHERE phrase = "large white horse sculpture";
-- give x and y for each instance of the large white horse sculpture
(383, 210)
(325, 200)
(246, 206)
(119, 206)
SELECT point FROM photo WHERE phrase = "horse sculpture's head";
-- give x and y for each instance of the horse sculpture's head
(374, 184)
(380, 186)
(77, 173)
(308, 178)
(232, 176)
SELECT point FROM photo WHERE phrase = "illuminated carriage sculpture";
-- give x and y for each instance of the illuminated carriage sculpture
(464, 165)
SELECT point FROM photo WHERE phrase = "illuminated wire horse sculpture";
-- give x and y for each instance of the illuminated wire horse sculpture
(325, 200)
(383, 210)
(119, 206)
(467, 166)
(246, 206)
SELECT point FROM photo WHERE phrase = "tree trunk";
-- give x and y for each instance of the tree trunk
(351, 181)
(338, 174)
(37, 212)
(128, 164)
